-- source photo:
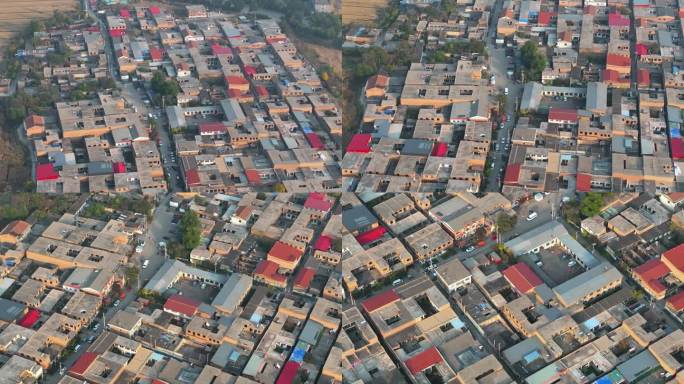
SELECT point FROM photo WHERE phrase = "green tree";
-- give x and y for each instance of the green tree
(190, 230)
(533, 60)
(591, 204)
(505, 222)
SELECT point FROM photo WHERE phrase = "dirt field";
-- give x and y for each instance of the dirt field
(16, 14)
(327, 55)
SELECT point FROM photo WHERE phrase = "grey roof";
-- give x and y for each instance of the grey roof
(169, 272)
(233, 291)
(233, 111)
(597, 96)
(417, 147)
(311, 332)
(10, 310)
(572, 291)
(532, 95)
(357, 217)
(100, 168)
(176, 117)
(542, 234)
(637, 365)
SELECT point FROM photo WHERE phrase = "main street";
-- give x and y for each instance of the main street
(498, 64)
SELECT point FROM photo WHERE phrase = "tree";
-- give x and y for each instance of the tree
(163, 86)
(533, 60)
(190, 230)
(132, 273)
(591, 204)
(505, 223)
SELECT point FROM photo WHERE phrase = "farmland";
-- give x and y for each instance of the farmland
(16, 14)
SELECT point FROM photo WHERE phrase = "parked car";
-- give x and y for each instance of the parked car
(533, 215)
(470, 249)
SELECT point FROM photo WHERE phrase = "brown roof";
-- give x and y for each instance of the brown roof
(377, 81)
(16, 228)
(33, 120)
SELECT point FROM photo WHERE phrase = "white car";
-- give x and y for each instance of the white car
(533, 215)
(470, 249)
(146, 263)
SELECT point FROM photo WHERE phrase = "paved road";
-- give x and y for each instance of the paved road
(498, 63)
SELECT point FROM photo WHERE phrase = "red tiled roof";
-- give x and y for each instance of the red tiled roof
(253, 176)
(237, 80)
(117, 32)
(125, 13)
(424, 360)
(289, 372)
(29, 318)
(559, 114)
(650, 272)
(192, 177)
(676, 197)
(522, 277)
(440, 149)
(218, 49)
(644, 77)
(262, 91)
(284, 251)
(275, 39)
(324, 243)
(181, 304)
(33, 120)
(317, 201)
(84, 361)
(304, 278)
(377, 81)
(157, 54)
(512, 174)
(611, 75)
(676, 257)
(641, 49)
(380, 300)
(46, 172)
(677, 148)
(212, 128)
(676, 302)
(155, 10)
(360, 143)
(371, 235)
(234, 93)
(269, 270)
(314, 141)
(618, 60)
(617, 20)
(544, 18)
(250, 71)
(583, 182)
(244, 212)
(16, 227)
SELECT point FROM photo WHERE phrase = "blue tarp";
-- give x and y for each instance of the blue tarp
(298, 355)
(675, 133)
(532, 356)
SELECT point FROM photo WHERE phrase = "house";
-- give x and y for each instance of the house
(15, 232)
(376, 86)
(34, 125)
